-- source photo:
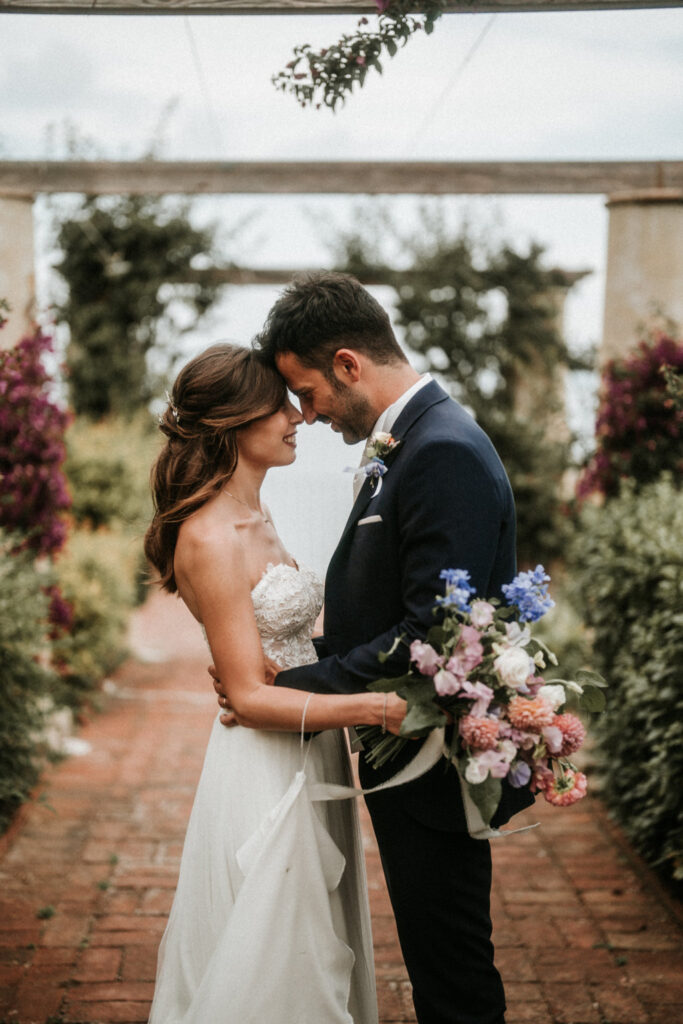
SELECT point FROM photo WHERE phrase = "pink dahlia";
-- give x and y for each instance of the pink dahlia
(565, 789)
(479, 733)
(530, 713)
(573, 733)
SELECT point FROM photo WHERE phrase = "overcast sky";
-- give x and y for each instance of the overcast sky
(591, 84)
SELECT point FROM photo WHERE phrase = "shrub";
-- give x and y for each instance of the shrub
(108, 466)
(96, 573)
(630, 578)
(24, 607)
(33, 492)
(640, 419)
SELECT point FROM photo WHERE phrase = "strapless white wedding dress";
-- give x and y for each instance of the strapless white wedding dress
(270, 922)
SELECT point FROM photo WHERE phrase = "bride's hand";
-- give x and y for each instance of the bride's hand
(394, 713)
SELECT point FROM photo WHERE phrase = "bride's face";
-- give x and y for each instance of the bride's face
(271, 440)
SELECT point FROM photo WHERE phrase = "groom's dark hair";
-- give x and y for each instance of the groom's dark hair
(319, 313)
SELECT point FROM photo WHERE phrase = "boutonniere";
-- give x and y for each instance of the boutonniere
(379, 446)
(377, 450)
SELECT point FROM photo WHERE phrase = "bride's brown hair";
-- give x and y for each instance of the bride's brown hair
(215, 394)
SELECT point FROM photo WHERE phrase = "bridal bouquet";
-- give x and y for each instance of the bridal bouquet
(479, 670)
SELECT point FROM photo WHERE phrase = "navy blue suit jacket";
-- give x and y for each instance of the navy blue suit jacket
(445, 502)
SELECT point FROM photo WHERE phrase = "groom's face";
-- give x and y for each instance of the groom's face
(347, 411)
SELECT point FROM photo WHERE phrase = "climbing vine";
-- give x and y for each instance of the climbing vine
(325, 77)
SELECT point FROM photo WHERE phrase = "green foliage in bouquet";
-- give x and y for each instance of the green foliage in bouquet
(24, 676)
(628, 561)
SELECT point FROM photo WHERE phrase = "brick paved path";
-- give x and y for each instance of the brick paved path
(584, 934)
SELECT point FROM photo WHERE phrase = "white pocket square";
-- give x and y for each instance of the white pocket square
(369, 519)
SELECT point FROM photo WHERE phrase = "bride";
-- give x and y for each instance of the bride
(270, 921)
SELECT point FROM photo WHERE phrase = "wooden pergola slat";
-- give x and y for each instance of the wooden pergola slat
(306, 6)
(277, 275)
(149, 177)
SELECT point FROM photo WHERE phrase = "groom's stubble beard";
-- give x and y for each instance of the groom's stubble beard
(354, 415)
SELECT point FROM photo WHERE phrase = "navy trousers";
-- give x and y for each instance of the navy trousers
(439, 884)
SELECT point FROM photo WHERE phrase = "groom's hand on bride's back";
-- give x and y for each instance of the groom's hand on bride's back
(271, 669)
(228, 717)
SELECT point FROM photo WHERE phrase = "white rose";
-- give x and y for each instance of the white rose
(514, 666)
(475, 771)
(554, 694)
(507, 750)
(381, 437)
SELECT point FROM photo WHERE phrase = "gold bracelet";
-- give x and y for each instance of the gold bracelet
(384, 713)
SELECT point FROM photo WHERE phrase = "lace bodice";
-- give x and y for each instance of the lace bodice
(286, 604)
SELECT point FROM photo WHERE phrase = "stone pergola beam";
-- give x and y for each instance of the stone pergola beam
(150, 177)
(307, 6)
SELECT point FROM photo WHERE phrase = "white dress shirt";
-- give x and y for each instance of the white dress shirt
(386, 421)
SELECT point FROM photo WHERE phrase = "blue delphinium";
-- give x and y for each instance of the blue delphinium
(458, 589)
(529, 591)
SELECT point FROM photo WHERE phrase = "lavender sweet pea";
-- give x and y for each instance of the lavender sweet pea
(427, 660)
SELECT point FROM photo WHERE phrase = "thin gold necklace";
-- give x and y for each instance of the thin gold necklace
(254, 511)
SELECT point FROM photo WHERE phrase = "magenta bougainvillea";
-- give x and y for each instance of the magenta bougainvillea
(33, 488)
(639, 426)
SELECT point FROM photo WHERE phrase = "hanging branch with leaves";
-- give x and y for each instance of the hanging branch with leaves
(324, 77)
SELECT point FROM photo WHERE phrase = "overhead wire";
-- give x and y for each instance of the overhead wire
(450, 85)
(210, 112)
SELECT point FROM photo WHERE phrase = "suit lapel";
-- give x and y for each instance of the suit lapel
(431, 394)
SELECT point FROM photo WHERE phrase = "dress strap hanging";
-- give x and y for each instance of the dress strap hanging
(304, 756)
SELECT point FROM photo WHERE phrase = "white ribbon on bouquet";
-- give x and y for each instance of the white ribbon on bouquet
(429, 754)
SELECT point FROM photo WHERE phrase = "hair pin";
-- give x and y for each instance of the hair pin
(173, 408)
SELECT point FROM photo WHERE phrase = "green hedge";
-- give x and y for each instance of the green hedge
(628, 562)
(100, 572)
(24, 678)
(97, 575)
(108, 466)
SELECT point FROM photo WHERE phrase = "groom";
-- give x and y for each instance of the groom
(444, 503)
